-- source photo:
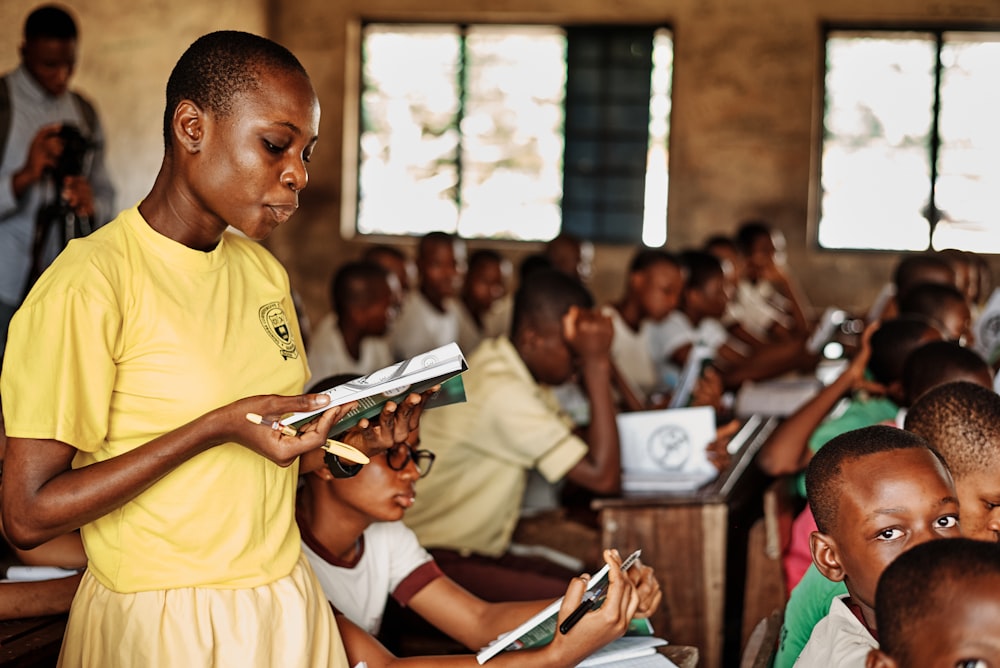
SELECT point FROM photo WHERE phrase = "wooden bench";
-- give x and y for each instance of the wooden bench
(31, 643)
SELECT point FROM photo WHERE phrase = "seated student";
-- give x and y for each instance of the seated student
(428, 318)
(962, 421)
(912, 270)
(938, 606)
(480, 307)
(767, 304)
(944, 306)
(351, 339)
(571, 255)
(362, 553)
(875, 492)
(811, 597)
(653, 285)
(939, 362)
(697, 321)
(511, 424)
(394, 261)
(47, 597)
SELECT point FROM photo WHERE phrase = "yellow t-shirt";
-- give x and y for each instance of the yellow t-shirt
(485, 447)
(130, 335)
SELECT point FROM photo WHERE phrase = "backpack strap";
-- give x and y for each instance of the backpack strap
(88, 112)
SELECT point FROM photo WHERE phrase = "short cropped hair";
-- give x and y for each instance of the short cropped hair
(532, 263)
(433, 239)
(962, 421)
(51, 22)
(938, 362)
(699, 268)
(649, 257)
(221, 66)
(912, 270)
(824, 484)
(930, 300)
(749, 232)
(354, 284)
(918, 582)
(373, 252)
(545, 297)
(892, 343)
(483, 256)
(719, 241)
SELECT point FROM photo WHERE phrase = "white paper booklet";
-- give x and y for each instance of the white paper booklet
(665, 450)
(624, 651)
(416, 374)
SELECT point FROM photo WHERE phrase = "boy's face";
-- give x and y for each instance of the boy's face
(891, 501)
(51, 62)
(549, 356)
(485, 284)
(438, 270)
(964, 632)
(979, 500)
(659, 289)
(713, 296)
(253, 162)
(381, 310)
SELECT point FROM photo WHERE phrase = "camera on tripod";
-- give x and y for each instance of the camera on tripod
(74, 154)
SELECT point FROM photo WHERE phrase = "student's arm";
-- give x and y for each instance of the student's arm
(43, 497)
(596, 629)
(36, 599)
(475, 622)
(767, 361)
(787, 449)
(787, 288)
(589, 334)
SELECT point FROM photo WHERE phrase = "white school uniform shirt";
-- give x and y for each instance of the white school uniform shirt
(328, 354)
(392, 559)
(630, 353)
(839, 639)
(421, 327)
(667, 336)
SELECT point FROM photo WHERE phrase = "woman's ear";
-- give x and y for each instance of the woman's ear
(824, 553)
(188, 126)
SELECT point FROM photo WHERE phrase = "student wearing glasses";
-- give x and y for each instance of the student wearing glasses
(362, 553)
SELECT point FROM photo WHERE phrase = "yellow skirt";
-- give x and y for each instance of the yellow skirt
(287, 623)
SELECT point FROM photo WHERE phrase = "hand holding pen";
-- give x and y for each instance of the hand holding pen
(615, 598)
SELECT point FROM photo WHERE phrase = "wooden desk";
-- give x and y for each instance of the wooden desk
(696, 541)
(32, 642)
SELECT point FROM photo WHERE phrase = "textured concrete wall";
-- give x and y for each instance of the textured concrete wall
(746, 86)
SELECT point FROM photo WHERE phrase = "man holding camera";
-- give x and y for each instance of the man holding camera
(53, 184)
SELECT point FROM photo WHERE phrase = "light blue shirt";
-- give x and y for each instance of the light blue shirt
(31, 109)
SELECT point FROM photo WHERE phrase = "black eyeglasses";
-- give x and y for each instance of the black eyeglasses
(398, 456)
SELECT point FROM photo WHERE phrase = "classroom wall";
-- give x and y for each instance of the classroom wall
(746, 86)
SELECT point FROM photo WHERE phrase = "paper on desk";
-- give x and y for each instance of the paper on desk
(622, 651)
(666, 449)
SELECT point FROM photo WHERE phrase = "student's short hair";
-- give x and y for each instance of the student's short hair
(373, 252)
(650, 257)
(433, 239)
(824, 484)
(220, 66)
(483, 256)
(719, 240)
(962, 421)
(892, 343)
(931, 300)
(748, 233)
(50, 22)
(918, 582)
(700, 267)
(938, 362)
(354, 284)
(532, 263)
(912, 270)
(545, 298)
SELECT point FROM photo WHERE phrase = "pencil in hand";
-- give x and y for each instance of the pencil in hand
(343, 450)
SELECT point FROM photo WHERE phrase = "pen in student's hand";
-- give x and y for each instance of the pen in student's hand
(589, 602)
(335, 447)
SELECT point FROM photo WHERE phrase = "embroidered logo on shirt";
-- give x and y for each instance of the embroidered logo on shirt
(272, 317)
